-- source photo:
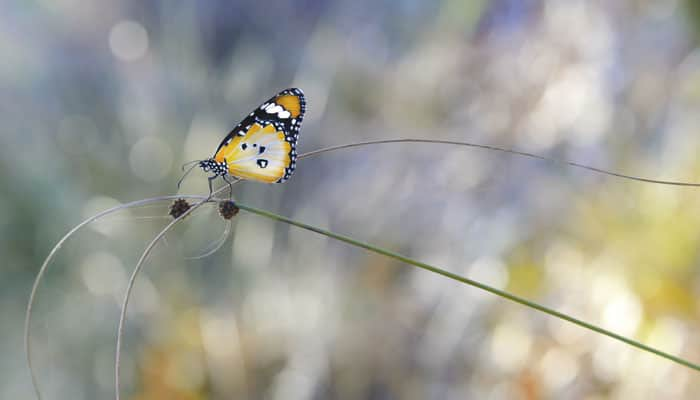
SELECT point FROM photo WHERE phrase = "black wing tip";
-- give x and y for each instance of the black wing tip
(293, 90)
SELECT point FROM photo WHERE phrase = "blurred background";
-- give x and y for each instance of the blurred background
(101, 102)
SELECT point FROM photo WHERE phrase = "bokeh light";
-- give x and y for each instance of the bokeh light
(128, 40)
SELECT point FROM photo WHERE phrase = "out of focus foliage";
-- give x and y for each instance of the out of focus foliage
(101, 102)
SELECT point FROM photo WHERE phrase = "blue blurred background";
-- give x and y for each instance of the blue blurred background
(101, 102)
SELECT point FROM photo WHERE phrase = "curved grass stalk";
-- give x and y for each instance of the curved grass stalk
(458, 278)
(139, 218)
(216, 245)
(502, 150)
(130, 286)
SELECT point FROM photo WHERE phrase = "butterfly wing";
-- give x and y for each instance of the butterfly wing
(263, 146)
(261, 154)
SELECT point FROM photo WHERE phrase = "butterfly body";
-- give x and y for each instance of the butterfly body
(262, 147)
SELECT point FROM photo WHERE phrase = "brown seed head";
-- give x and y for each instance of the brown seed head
(179, 207)
(228, 209)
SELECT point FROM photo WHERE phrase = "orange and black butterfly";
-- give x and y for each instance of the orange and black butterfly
(262, 147)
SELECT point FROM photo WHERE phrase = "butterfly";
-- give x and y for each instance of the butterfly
(262, 147)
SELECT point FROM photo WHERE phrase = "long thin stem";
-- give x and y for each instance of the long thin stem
(490, 289)
(130, 286)
(503, 150)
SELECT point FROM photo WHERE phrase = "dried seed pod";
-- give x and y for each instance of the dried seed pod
(179, 207)
(228, 209)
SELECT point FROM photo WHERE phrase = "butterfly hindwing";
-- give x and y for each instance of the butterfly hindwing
(262, 154)
(262, 147)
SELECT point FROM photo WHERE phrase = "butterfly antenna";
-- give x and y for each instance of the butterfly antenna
(186, 173)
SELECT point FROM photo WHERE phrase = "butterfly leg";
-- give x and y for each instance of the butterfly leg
(211, 191)
(230, 186)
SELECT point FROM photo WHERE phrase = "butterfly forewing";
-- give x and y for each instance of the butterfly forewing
(263, 146)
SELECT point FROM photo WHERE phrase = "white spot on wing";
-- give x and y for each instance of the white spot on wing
(273, 109)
